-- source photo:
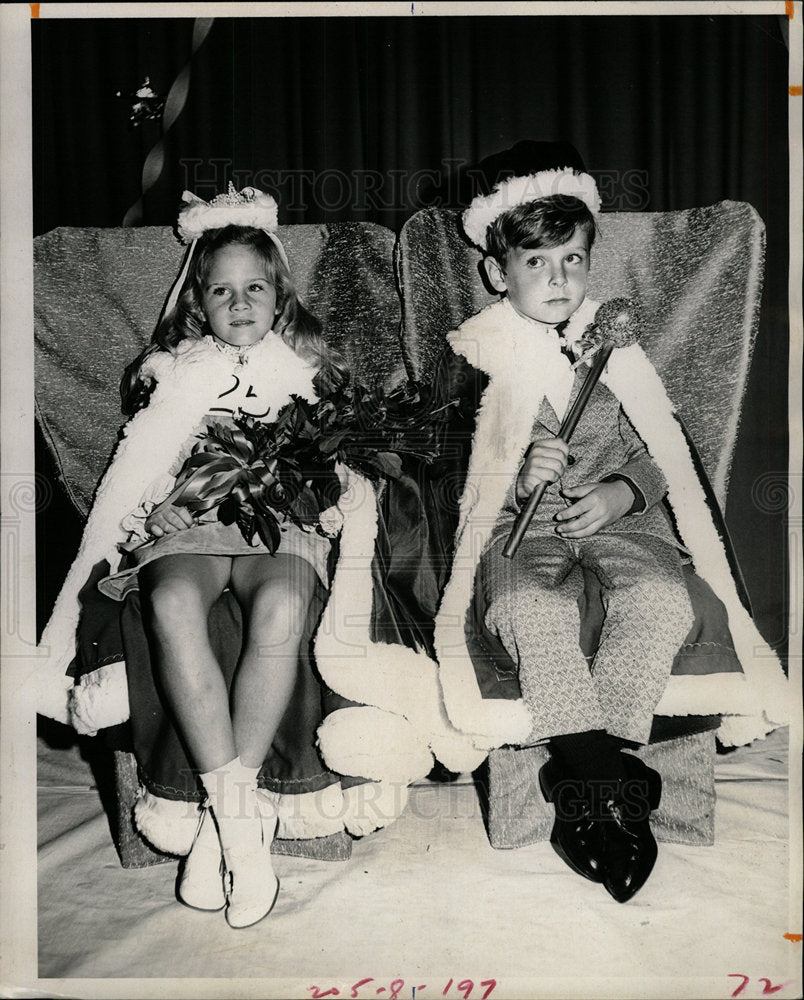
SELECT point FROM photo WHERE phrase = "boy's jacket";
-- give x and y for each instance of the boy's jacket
(500, 361)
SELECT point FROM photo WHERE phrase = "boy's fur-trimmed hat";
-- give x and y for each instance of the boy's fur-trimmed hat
(536, 170)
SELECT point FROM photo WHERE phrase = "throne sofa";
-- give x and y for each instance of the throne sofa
(387, 301)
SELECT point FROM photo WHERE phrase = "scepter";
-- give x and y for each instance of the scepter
(618, 323)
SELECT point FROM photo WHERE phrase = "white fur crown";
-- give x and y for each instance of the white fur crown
(484, 209)
(249, 207)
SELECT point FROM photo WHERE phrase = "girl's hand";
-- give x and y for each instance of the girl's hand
(597, 505)
(546, 462)
(167, 519)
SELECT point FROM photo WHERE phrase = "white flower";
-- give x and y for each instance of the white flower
(145, 90)
(331, 521)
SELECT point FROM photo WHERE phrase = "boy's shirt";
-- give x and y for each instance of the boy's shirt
(604, 444)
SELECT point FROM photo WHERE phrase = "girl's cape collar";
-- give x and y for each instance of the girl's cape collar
(188, 383)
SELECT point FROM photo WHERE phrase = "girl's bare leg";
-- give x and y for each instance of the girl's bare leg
(177, 593)
(274, 593)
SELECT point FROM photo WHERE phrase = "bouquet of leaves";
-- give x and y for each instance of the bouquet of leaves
(257, 474)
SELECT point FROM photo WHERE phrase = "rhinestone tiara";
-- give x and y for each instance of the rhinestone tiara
(249, 207)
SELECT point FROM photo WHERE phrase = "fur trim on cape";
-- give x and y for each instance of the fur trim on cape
(100, 699)
(501, 343)
(189, 383)
(404, 717)
(373, 805)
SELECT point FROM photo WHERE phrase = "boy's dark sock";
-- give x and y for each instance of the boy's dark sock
(591, 756)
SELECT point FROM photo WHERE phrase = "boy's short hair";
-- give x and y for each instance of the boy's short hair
(546, 222)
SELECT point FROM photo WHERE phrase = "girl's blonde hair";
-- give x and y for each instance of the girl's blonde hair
(299, 329)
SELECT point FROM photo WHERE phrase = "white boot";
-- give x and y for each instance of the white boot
(246, 825)
(201, 880)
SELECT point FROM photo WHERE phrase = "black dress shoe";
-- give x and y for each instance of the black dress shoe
(576, 837)
(629, 847)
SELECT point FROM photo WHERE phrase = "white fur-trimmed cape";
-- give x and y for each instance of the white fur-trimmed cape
(503, 344)
(188, 384)
(399, 721)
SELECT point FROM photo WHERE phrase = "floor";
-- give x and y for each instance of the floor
(426, 908)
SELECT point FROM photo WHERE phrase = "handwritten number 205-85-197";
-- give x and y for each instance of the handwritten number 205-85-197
(363, 988)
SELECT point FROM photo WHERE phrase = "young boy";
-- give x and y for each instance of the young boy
(507, 635)
(603, 511)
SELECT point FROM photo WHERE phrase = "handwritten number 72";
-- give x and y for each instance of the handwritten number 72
(767, 989)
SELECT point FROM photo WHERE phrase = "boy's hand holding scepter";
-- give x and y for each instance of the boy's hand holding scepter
(619, 323)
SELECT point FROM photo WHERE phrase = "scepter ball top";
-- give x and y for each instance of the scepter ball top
(619, 322)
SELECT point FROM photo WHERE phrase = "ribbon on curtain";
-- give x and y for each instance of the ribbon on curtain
(174, 105)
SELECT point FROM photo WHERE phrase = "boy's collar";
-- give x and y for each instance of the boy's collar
(572, 329)
(548, 330)
(486, 338)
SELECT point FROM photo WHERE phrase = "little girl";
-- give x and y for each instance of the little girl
(234, 338)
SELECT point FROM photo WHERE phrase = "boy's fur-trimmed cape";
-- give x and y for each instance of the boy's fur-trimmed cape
(500, 343)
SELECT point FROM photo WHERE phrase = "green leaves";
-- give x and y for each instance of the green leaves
(256, 473)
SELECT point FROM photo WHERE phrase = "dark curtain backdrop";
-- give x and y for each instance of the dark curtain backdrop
(371, 118)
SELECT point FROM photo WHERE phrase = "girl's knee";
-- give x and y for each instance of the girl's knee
(171, 603)
(277, 611)
(272, 589)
